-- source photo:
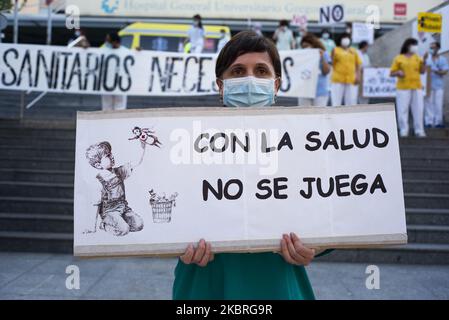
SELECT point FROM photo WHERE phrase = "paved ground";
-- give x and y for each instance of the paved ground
(42, 276)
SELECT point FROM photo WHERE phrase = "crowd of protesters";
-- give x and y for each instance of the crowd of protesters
(340, 70)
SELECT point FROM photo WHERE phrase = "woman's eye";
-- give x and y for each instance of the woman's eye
(262, 71)
(238, 71)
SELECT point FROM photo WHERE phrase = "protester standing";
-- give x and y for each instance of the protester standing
(195, 35)
(302, 31)
(223, 40)
(327, 41)
(346, 65)
(248, 72)
(114, 101)
(407, 67)
(433, 111)
(366, 63)
(284, 37)
(322, 89)
(257, 28)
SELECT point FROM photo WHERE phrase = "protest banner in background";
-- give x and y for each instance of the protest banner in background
(377, 83)
(102, 71)
(362, 31)
(237, 177)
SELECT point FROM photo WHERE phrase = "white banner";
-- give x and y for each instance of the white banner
(237, 177)
(107, 71)
(362, 31)
(377, 83)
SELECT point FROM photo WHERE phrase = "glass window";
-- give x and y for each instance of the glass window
(127, 41)
(157, 43)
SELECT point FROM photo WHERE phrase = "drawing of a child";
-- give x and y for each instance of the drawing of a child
(117, 217)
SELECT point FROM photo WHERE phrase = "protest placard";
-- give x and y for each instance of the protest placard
(237, 177)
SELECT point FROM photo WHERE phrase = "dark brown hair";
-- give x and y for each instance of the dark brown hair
(246, 42)
(314, 41)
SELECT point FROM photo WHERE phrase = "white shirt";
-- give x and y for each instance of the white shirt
(284, 40)
(365, 59)
(196, 36)
(222, 43)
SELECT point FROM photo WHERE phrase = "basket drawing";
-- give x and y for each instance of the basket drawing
(162, 207)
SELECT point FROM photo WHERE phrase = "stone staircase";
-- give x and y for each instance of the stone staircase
(36, 195)
(37, 163)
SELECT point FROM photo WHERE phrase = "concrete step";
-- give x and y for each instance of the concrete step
(27, 132)
(422, 216)
(36, 242)
(38, 142)
(427, 142)
(426, 200)
(36, 175)
(26, 222)
(24, 151)
(434, 162)
(428, 234)
(425, 173)
(413, 150)
(37, 163)
(36, 205)
(36, 189)
(426, 186)
(412, 253)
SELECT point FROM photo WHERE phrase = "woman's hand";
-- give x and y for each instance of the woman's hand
(294, 252)
(201, 255)
(399, 74)
(357, 79)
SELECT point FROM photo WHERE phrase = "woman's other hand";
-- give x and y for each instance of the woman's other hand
(201, 255)
(294, 252)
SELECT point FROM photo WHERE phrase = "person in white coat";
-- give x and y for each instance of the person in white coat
(195, 35)
(114, 101)
(433, 103)
(366, 63)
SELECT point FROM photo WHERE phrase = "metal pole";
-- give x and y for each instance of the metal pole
(16, 21)
(49, 23)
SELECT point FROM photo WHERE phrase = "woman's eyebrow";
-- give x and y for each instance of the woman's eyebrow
(262, 64)
(238, 65)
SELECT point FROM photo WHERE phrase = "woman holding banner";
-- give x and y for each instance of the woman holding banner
(248, 72)
(345, 74)
(322, 90)
(407, 67)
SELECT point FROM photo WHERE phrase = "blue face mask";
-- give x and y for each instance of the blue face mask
(248, 92)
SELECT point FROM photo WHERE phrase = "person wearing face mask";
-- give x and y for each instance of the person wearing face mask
(408, 67)
(284, 37)
(433, 106)
(114, 101)
(310, 41)
(346, 65)
(248, 72)
(328, 43)
(366, 63)
(195, 35)
(223, 40)
(302, 32)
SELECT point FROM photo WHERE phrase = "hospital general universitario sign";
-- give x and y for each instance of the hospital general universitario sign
(150, 181)
(355, 10)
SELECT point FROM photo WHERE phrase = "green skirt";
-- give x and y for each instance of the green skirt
(242, 276)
